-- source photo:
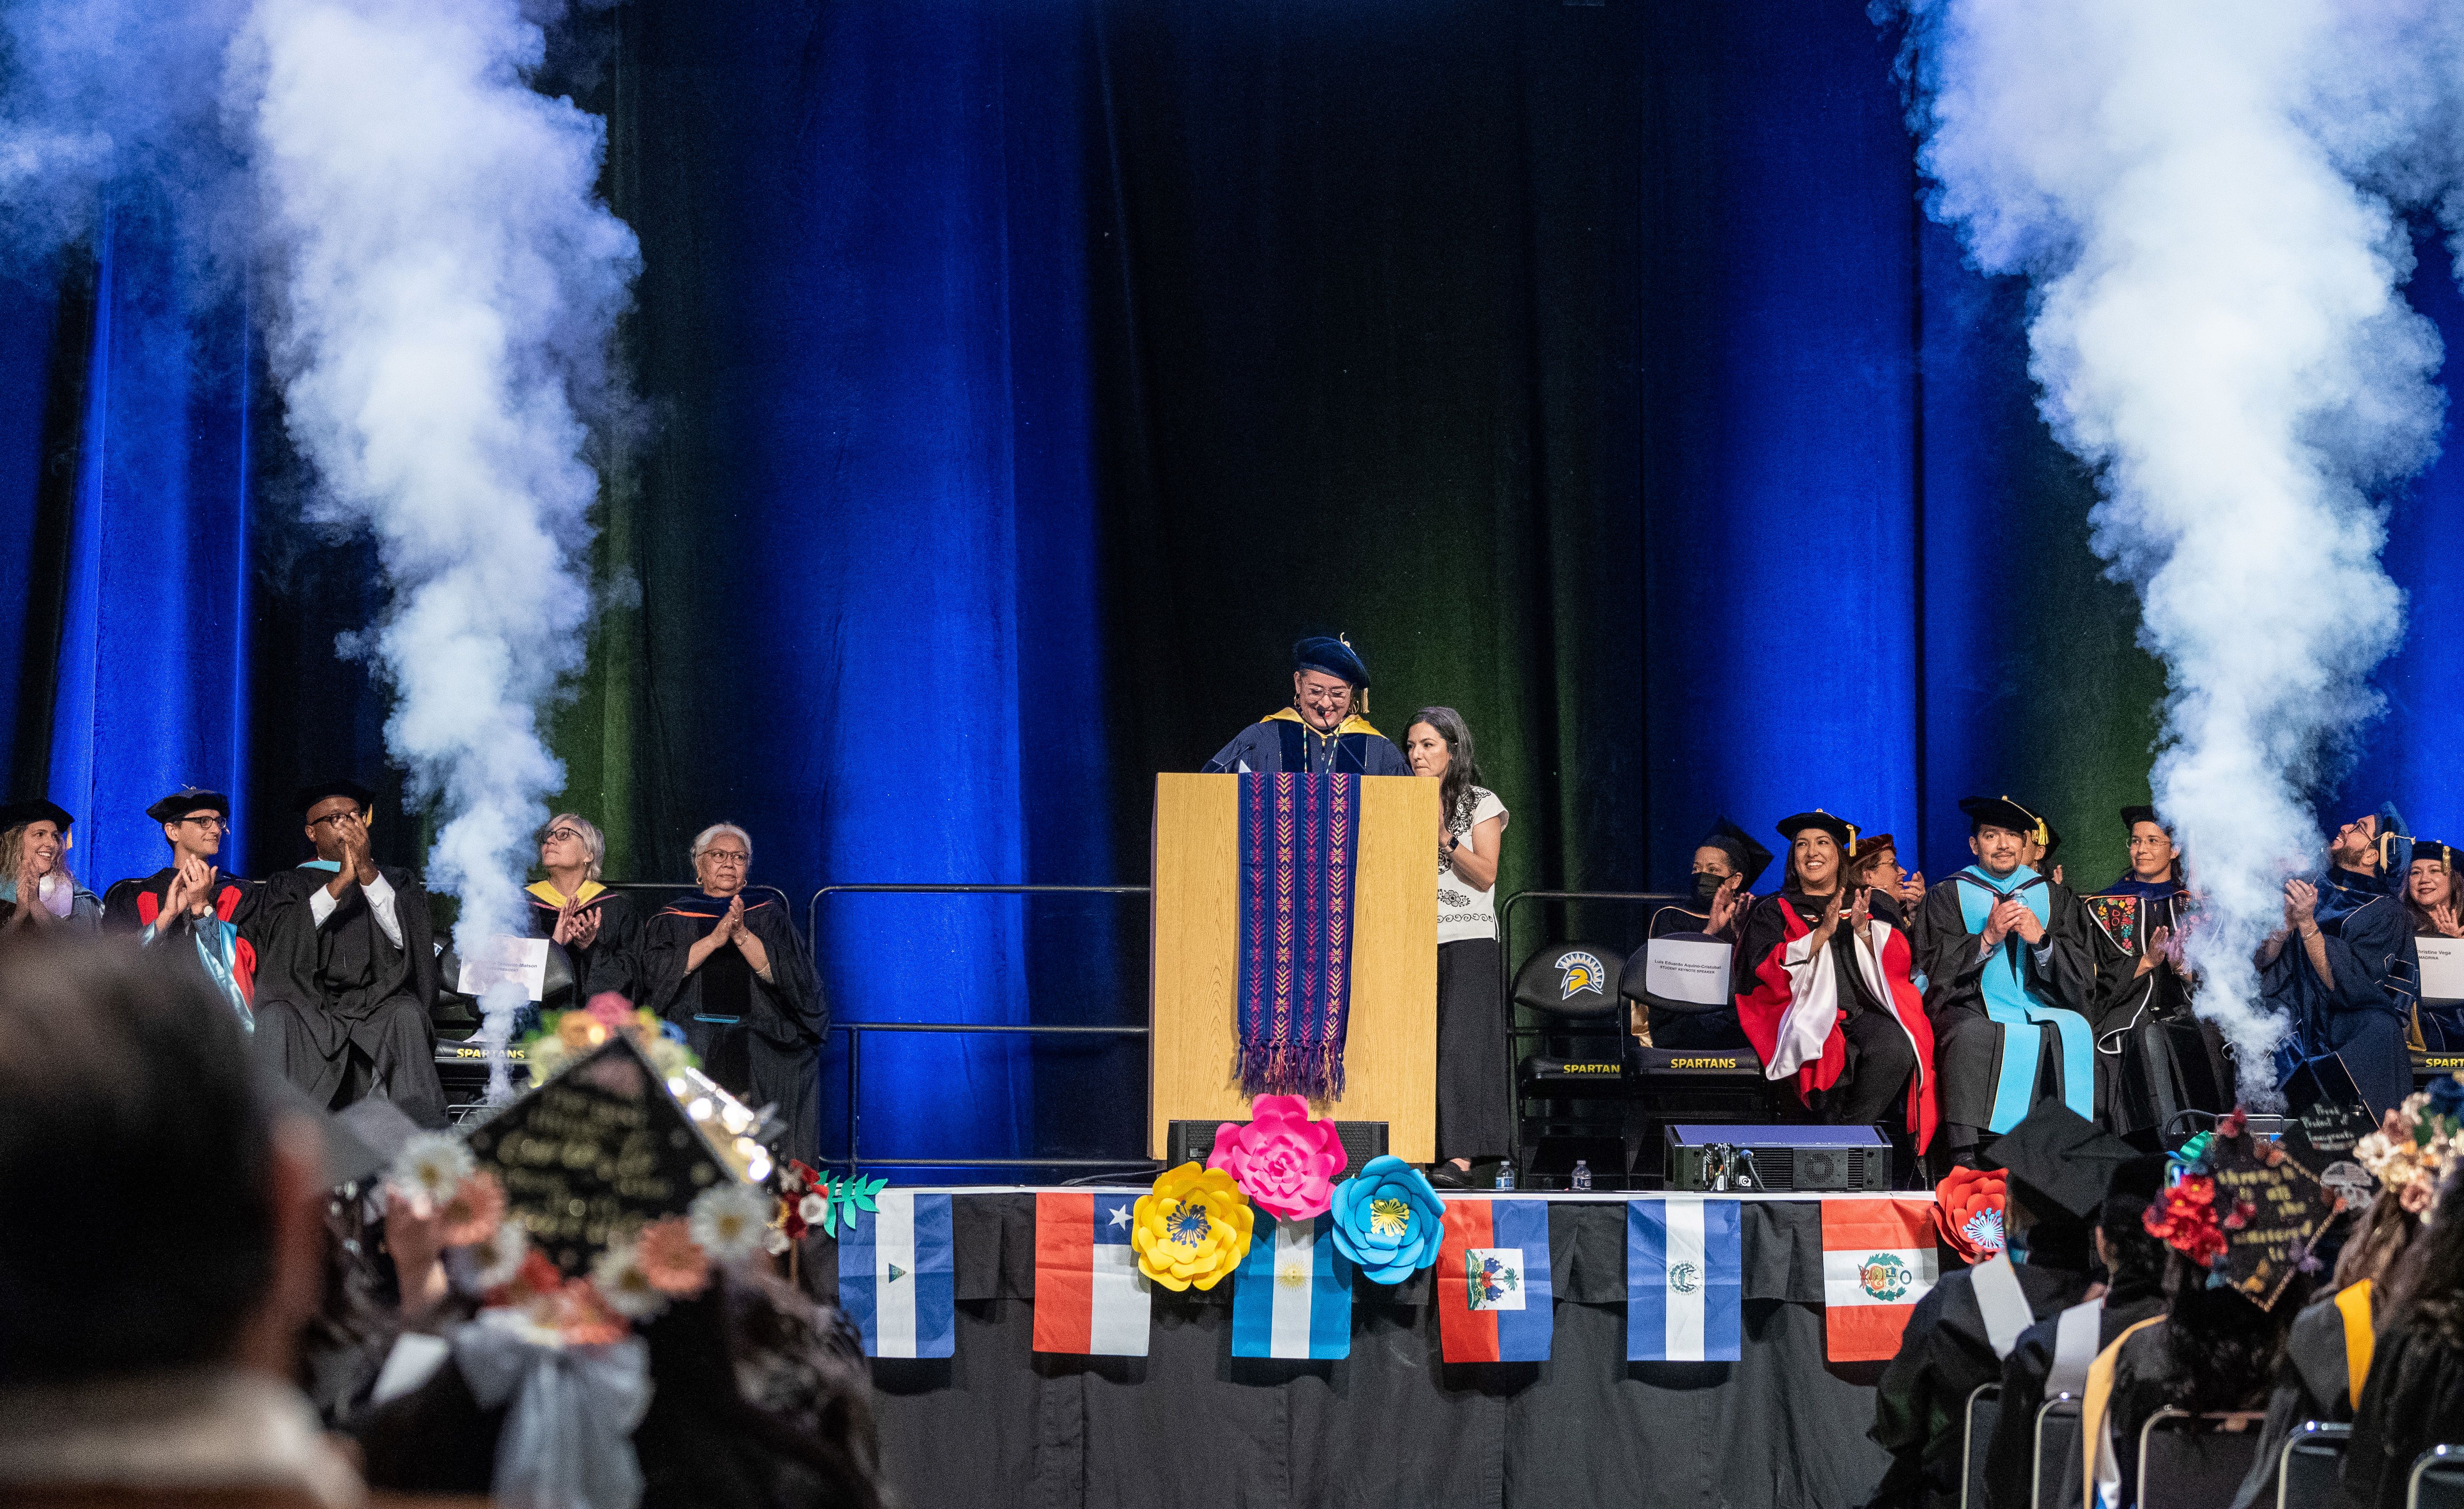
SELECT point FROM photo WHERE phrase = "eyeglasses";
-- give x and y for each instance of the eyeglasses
(725, 856)
(331, 817)
(206, 820)
(2150, 843)
(560, 835)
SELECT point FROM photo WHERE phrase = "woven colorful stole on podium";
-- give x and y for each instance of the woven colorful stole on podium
(1300, 838)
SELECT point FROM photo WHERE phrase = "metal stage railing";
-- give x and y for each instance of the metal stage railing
(856, 1030)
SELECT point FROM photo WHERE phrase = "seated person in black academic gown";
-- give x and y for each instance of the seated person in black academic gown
(2060, 1168)
(1726, 864)
(2007, 972)
(346, 967)
(2344, 968)
(1326, 730)
(597, 930)
(2052, 1356)
(2413, 1395)
(2158, 1058)
(189, 906)
(2435, 903)
(731, 970)
(1823, 990)
(35, 837)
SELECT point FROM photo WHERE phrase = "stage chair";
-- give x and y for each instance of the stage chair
(2054, 1479)
(1576, 1077)
(2437, 1479)
(2311, 1465)
(1983, 1415)
(2195, 1461)
(1719, 1086)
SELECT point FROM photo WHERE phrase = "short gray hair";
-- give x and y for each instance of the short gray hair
(703, 841)
(594, 843)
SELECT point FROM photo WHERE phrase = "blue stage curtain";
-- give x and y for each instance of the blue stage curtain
(151, 687)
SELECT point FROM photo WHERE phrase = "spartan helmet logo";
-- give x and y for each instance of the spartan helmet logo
(1578, 971)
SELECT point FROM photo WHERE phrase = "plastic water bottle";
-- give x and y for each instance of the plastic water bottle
(1505, 1175)
(1582, 1175)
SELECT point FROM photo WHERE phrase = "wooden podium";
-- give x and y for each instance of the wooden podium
(1389, 1062)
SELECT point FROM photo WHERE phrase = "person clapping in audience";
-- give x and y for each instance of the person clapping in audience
(36, 890)
(161, 1251)
(730, 968)
(191, 906)
(597, 928)
(2344, 968)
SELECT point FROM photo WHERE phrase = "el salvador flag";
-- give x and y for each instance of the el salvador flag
(896, 1280)
(1685, 1280)
(1292, 1297)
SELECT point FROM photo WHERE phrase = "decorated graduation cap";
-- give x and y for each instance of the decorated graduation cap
(1842, 833)
(2000, 812)
(315, 791)
(2061, 1163)
(2246, 1210)
(1750, 857)
(189, 799)
(1333, 655)
(37, 809)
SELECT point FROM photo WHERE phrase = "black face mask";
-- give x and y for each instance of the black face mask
(1706, 886)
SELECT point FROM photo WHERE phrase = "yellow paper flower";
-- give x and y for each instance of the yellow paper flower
(1194, 1229)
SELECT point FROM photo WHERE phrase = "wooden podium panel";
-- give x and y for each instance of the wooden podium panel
(1390, 1061)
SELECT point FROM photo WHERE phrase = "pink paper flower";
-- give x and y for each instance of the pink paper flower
(1281, 1160)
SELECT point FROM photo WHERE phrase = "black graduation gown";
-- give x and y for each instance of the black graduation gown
(1921, 1405)
(341, 1011)
(2364, 1015)
(1279, 741)
(759, 1038)
(2414, 1400)
(2010, 1459)
(1873, 1088)
(613, 960)
(1967, 1046)
(2312, 1383)
(131, 906)
(2155, 1058)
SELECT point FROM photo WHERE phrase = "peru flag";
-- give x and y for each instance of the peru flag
(1494, 1300)
(1877, 1261)
(1090, 1296)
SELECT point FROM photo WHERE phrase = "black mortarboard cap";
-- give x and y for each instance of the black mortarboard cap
(1842, 833)
(2133, 816)
(1999, 811)
(2433, 849)
(186, 800)
(2062, 1156)
(606, 1145)
(1333, 655)
(1750, 857)
(17, 814)
(315, 791)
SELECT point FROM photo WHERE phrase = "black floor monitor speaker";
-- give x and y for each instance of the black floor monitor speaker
(1190, 1141)
(1783, 1159)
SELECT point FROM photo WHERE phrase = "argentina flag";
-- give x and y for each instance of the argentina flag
(1292, 1296)
(896, 1280)
(1685, 1280)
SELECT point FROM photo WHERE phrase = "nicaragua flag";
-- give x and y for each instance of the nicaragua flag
(1494, 1300)
(896, 1280)
(1090, 1296)
(1685, 1280)
(1292, 1297)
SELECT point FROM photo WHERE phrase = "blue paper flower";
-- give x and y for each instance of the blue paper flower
(2447, 1094)
(1388, 1221)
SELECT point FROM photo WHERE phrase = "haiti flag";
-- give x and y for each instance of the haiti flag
(1492, 1283)
(1877, 1261)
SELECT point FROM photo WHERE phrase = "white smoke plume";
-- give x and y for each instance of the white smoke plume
(440, 285)
(448, 284)
(2207, 196)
